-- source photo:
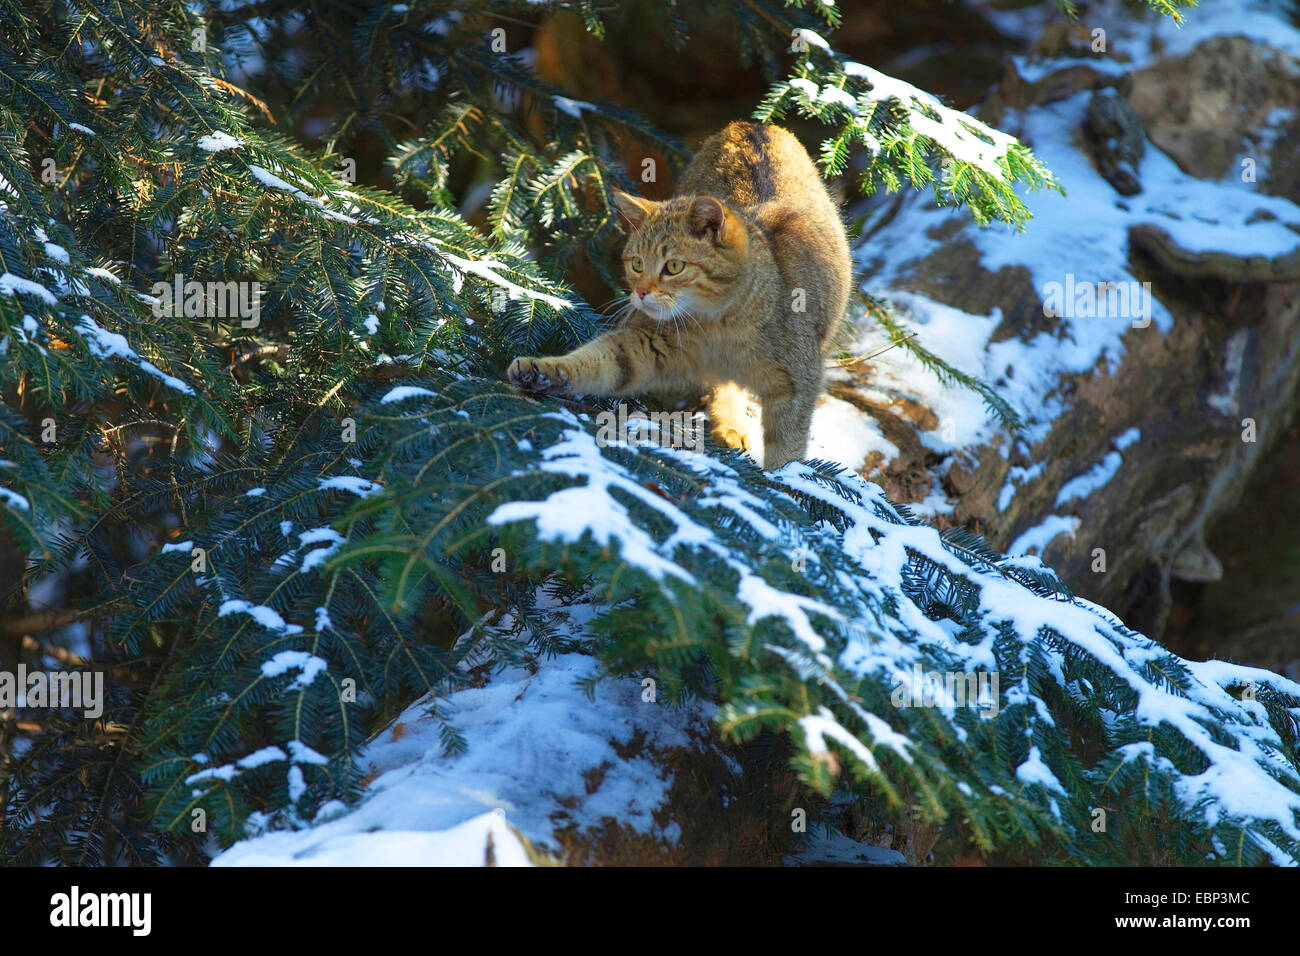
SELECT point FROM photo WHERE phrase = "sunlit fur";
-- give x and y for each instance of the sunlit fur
(758, 236)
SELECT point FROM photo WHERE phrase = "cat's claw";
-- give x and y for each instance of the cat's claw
(527, 373)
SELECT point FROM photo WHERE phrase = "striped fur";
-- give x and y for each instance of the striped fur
(757, 237)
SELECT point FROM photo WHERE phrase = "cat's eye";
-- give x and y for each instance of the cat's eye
(637, 264)
(674, 266)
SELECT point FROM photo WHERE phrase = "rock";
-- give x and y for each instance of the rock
(1222, 264)
(1117, 142)
(1195, 562)
(1231, 107)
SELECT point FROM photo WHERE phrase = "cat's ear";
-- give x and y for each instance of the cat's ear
(633, 208)
(709, 217)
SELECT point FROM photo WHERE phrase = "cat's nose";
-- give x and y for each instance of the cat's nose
(642, 293)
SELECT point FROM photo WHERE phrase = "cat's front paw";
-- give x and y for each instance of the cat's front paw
(539, 375)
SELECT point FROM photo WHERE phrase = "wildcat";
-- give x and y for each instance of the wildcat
(736, 284)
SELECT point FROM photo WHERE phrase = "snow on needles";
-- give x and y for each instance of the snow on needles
(529, 749)
(485, 269)
(105, 344)
(1243, 779)
(272, 181)
(954, 131)
(883, 549)
(590, 509)
(217, 141)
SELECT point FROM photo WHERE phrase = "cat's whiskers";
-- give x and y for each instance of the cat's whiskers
(688, 314)
(672, 317)
(622, 313)
(618, 298)
(677, 313)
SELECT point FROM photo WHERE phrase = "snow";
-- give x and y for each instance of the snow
(530, 765)
(1085, 234)
(1128, 438)
(747, 507)
(833, 94)
(319, 535)
(299, 752)
(1100, 474)
(403, 392)
(269, 179)
(952, 131)
(807, 87)
(818, 727)
(258, 758)
(590, 510)
(308, 664)
(184, 547)
(1041, 535)
(217, 141)
(1145, 40)
(105, 344)
(464, 844)
(767, 601)
(104, 274)
(484, 269)
(840, 850)
(573, 107)
(1244, 777)
(57, 253)
(357, 486)
(1096, 477)
(13, 500)
(261, 757)
(1020, 475)
(1035, 771)
(571, 513)
(297, 784)
(318, 556)
(842, 433)
(82, 129)
(11, 284)
(169, 380)
(272, 181)
(812, 39)
(267, 617)
(1081, 237)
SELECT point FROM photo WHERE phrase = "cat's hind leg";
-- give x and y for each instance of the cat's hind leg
(787, 420)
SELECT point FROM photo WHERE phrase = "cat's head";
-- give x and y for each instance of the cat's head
(683, 257)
